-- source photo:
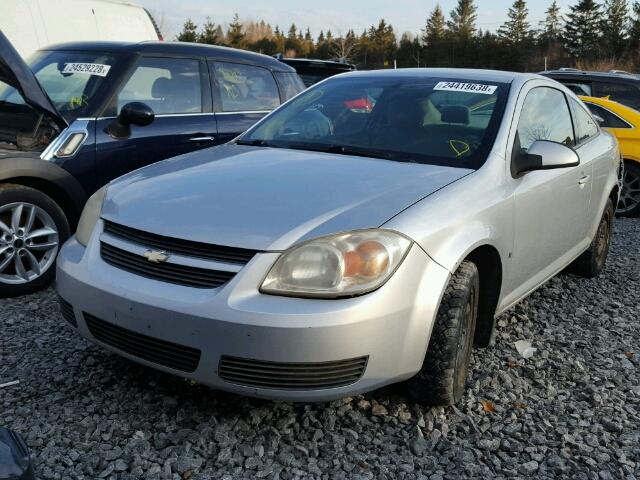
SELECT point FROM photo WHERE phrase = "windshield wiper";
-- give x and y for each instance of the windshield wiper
(258, 142)
(346, 150)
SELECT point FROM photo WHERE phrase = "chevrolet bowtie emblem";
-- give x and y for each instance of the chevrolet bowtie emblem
(155, 256)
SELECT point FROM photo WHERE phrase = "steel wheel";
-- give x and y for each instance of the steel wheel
(630, 194)
(29, 242)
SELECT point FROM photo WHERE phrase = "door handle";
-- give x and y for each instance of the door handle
(202, 139)
(584, 179)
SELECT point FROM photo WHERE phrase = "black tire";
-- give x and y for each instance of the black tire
(11, 193)
(629, 205)
(442, 378)
(591, 263)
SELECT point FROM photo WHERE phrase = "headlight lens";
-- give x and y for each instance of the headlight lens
(342, 265)
(90, 216)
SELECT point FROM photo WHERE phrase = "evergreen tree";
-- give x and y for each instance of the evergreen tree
(614, 27)
(463, 20)
(551, 26)
(634, 26)
(189, 32)
(235, 33)
(516, 30)
(436, 27)
(210, 33)
(581, 34)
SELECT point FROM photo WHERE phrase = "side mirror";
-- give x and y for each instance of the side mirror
(598, 119)
(134, 113)
(15, 461)
(543, 155)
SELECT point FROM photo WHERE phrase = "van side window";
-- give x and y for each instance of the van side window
(586, 126)
(245, 88)
(545, 116)
(619, 92)
(167, 85)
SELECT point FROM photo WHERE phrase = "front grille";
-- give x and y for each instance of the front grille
(291, 376)
(165, 272)
(167, 354)
(179, 246)
(67, 311)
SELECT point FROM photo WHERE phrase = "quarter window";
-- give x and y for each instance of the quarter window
(610, 120)
(245, 88)
(290, 84)
(586, 126)
(167, 85)
(545, 116)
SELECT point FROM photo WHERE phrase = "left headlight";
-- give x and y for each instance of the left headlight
(341, 265)
(90, 216)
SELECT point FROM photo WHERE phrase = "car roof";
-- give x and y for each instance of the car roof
(465, 74)
(318, 63)
(577, 74)
(176, 48)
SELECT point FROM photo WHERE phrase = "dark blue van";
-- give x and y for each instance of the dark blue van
(82, 114)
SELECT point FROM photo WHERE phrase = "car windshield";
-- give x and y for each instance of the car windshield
(440, 121)
(72, 80)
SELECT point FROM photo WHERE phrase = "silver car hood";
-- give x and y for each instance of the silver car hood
(268, 199)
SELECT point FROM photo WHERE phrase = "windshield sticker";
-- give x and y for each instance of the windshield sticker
(87, 68)
(466, 87)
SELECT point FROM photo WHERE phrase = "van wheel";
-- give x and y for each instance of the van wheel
(32, 229)
(629, 205)
(591, 263)
(441, 380)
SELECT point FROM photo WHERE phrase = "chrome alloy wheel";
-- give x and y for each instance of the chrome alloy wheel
(29, 242)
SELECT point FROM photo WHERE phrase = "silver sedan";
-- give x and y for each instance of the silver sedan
(367, 232)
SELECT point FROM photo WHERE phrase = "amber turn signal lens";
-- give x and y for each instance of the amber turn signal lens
(369, 259)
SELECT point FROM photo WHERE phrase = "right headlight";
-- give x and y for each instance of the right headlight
(90, 216)
(342, 265)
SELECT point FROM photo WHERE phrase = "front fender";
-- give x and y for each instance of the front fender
(33, 170)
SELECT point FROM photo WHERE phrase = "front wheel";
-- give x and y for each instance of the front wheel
(629, 204)
(443, 375)
(32, 229)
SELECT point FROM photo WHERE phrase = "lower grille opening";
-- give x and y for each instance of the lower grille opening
(291, 376)
(66, 309)
(167, 354)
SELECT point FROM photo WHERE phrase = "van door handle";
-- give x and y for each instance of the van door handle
(202, 139)
(584, 179)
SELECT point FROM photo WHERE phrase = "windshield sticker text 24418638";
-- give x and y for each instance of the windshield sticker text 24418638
(466, 87)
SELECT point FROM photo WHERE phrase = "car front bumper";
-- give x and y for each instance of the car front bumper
(388, 329)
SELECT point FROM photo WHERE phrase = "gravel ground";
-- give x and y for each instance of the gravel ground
(572, 410)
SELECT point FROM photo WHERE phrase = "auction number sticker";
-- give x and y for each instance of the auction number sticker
(466, 87)
(87, 68)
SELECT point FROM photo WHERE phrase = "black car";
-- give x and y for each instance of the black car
(81, 114)
(312, 71)
(621, 87)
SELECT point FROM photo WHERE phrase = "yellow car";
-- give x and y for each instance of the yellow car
(624, 123)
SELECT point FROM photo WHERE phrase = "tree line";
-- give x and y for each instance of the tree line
(591, 34)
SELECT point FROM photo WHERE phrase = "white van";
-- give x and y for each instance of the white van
(32, 24)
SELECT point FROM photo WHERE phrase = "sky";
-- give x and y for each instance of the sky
(335, 15)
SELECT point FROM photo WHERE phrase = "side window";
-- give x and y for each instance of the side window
(610, 120)
(625, 94)
(245, 88)
(167, 85)
(545, 116)
(579, 88)
(290, 84)
(586, 126)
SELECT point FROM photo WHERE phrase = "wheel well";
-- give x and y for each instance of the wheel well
(52, 190)
(487, 260)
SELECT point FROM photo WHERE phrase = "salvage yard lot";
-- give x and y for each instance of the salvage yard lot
(573, 409)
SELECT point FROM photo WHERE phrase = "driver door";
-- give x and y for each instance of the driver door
(551, 206)
(177, 90)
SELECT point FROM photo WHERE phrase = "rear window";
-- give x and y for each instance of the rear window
(290, 84)
(424, 120)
